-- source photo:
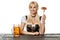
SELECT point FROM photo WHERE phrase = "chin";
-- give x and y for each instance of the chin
(33, 12)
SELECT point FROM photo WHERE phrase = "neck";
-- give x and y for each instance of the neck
(33, 14)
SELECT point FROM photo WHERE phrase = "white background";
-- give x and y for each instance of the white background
(11, 12)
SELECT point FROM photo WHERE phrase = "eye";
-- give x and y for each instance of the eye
(30, 7)
(34, 7)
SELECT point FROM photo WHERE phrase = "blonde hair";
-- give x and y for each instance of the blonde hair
(33, 2)
(29, 20)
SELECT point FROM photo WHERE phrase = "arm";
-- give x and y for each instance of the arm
(42, 28)
(25, 32)
(43, 19)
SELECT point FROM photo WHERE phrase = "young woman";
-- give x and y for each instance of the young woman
(33, 24)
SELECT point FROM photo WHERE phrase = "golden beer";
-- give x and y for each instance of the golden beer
(16, 31)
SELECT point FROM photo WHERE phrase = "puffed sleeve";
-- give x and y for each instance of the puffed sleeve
(23, 19)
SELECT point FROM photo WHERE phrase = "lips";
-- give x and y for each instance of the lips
(32, 10)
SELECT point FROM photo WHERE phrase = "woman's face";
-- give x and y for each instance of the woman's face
(33, 8)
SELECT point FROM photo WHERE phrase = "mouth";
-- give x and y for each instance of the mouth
(32, 10)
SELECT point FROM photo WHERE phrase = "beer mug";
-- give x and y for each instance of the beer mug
(16, 30)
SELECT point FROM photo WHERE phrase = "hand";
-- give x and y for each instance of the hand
(44, 17)
(36, 33)
(16, 35)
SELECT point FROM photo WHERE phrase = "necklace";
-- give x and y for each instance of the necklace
(33, 17)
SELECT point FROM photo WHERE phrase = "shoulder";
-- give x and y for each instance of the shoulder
(42, 17)
(23, 19)
(24, 16)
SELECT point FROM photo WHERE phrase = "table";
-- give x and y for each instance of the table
(30, 37)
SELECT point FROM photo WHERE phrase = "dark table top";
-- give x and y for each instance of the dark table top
(30, 37)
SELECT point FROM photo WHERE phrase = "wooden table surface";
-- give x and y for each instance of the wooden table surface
(30, 37)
